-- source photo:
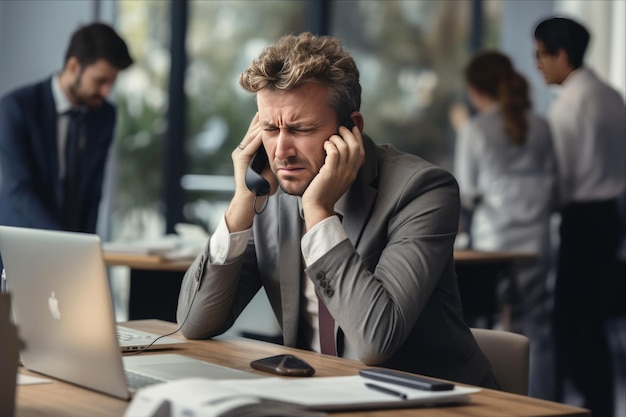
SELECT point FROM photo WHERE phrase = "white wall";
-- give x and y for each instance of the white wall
(34, 35)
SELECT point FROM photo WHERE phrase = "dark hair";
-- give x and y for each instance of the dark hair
(562, 33)
(492, 73)
(98, 41)
(298, 59)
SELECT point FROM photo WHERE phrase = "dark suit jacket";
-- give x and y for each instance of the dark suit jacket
(30, 190)
(391, 286)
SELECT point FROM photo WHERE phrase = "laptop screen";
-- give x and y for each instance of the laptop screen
(62, 306)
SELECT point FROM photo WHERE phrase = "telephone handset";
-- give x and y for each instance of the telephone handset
(254, 181)
(349, 123)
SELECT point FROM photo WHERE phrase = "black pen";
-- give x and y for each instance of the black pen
(386, 390)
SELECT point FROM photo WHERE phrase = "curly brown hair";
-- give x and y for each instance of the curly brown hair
(295, 60)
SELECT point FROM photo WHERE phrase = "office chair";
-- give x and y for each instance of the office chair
(509, 356)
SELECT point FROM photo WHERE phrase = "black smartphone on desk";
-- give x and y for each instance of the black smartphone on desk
(285, 365)
(254, 180)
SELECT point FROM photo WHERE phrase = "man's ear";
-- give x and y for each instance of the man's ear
(357, 118)
(72, 66)
(563, 59)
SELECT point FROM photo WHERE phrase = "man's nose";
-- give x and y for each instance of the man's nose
(105, 90)
(284, 145)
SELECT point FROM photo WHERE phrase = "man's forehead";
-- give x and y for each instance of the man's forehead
(288, 120)
(101, 66)
(293, 106)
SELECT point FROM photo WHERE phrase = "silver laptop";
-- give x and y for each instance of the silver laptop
(63, 309)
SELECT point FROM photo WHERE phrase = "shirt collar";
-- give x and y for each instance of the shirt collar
(574, 77)
(60, 100)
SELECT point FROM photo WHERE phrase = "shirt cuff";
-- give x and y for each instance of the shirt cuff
(321, 239)
(225, 246)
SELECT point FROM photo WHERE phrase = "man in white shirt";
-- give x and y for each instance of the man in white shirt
(588, 124)
(358, 233)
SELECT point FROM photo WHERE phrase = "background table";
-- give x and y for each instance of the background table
(155, 282)
(478, 276)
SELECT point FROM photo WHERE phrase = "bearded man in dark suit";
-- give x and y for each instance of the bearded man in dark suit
(47, 179)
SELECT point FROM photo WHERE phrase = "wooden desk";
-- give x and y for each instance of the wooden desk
(61, 399)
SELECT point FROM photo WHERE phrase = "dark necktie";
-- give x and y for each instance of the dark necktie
(327, 329)
(326, 323)
(71, 182)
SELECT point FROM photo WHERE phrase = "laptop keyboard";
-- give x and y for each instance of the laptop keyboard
(136, 380)
(127, 337)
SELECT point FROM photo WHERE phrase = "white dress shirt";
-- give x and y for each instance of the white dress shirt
(588, 123)
(62, 105)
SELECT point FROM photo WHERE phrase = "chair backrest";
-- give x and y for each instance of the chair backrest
(509, 355)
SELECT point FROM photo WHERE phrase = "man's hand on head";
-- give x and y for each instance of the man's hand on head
(240, 213)
(345, 155)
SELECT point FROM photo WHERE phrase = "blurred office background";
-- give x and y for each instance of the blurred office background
(181, 110)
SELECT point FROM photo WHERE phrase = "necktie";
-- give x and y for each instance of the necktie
(71, 182)
(327, 329)
(326, 321)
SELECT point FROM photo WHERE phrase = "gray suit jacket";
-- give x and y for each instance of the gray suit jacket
(391, 286)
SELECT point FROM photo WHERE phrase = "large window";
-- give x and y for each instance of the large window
(222, 38)
(410, 54)
(141, 98)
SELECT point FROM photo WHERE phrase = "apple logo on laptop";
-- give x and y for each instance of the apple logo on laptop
(53, 305)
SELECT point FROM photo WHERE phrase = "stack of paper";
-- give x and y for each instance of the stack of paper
(206, 397)
(189, 241)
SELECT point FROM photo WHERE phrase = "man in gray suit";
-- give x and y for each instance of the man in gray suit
(359, 233)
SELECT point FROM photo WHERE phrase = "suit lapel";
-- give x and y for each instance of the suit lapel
(361, 198)
(290, 266)
(90, 148)
(362, 195)
(359, 203)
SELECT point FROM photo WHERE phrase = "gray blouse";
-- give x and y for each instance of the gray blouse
(510, 189)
